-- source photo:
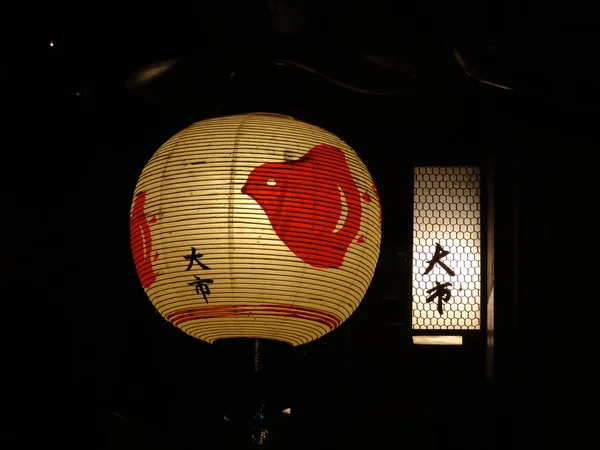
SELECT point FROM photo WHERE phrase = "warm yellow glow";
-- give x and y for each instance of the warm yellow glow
(51, 43)
(437, 340)
(152, 71)
(258, 226)
(446, 248)
(287, 411)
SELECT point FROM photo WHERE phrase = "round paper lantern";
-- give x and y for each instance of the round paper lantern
(257, 226)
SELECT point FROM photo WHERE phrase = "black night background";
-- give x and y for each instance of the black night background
(88, 362)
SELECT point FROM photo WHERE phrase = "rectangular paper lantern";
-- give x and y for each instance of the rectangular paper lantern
(446, 281)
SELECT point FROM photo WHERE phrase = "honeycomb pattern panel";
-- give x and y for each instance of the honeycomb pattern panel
(446, 279)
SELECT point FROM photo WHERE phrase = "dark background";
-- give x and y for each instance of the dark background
(88, 363)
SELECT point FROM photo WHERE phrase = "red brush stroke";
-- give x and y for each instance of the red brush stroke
(141, 241)
(303, 201)
(215, 312)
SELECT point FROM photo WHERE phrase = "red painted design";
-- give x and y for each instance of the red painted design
(141, 241)
(366, 197)
(222, 311)
(303, 200)
(360, 239)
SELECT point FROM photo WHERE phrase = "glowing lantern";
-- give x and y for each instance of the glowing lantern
(446, 252)
(257, 226)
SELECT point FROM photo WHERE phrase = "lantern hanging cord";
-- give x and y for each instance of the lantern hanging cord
(336, 81)
(461, 62)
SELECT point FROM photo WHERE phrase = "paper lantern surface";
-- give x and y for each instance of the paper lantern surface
(446, 248)
(255, 225)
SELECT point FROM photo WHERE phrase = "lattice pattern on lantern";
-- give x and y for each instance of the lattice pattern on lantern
(446, 248)
(258, 226)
